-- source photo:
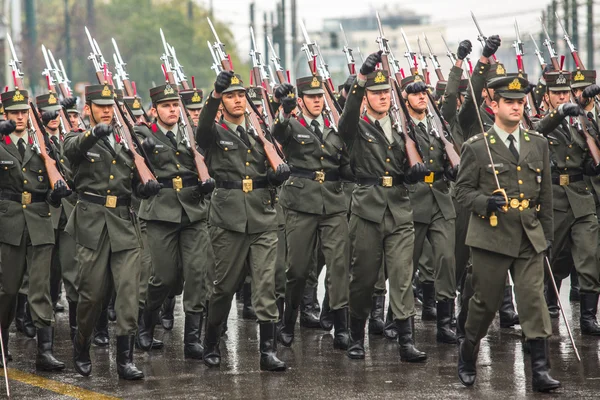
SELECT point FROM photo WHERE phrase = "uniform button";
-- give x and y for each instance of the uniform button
(570, 146)
(322, 146)
(322, 158)
(518, 167)
(522, 195)
(430, 161)
(520, 208)
(567, 158)
(497, 172)
(537, 170)
(25, 181)
(520, 182)
(156, 152)
(431, 148)
(301, 142)
(430, 185)
(40, 171)
(370, 140)
(389, 147)
(24, 169)
(387, 172)
(6, 168)
(112, 177)
(49, 214)
(249, 151)
(225, 149)
(247, 163)
(24, 206)
(247, 177)
(176, 153)
(107, 190)
(62, 160)
(114, 161)
(387, 160)
(92, 160)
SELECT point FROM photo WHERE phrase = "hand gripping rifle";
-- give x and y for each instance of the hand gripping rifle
(260, 79)
(123, 125)
(222, 62)
(434, 60)
(453, 58)
(39, 140)
(348, 52)
(482, 38)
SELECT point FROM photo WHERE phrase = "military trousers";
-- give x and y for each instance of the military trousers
(440, 233)
(375, 245)
(97, 270)
(15, 261)
(303, 232)
(461, 250)
(231, 250)
(488, 280)
(179, 253)
(580, 235)
(146, 262)
(281, 254)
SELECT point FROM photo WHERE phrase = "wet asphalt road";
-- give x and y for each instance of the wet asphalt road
(316, 370)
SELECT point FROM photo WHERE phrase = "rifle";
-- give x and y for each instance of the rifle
(169, 57)
(401, 122)
(529, 100)
(279, 71)
(122, 78)
(538, 53)
(434, 60)
(261, 81)
(65, 123)
(423, 62)
(123, 125)
(572, 49)
(549, 44)
(453, 58)
(348, 52)
(482, 38)
(39, 142)
(222, 62)
(331, 109)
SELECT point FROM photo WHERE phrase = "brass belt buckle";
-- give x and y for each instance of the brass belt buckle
(111, 202)
(25, 198)
(564, 180)
(525, 203)
(387, 181)
(514, 203)
(177, 183)
(430, 178)
(320, 176)
(247, 185)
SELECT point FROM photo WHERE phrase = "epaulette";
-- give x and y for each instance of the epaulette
(534, 133)
(474, 138)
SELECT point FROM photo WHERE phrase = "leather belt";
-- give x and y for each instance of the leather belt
(247, 185)
(179, 183)
(23, 198)
(385, 181)
(522, 204)
(106, 201)
(322, 176)
(565, 179)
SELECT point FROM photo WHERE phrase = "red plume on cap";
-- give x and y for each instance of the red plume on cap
(5, 88)
(134, 88)
(193, 82)
(287, 72)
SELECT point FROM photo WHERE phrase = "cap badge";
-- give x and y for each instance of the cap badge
(168, 90)
(379, 78)
(579, 76)
(561, 80)
(106, 92)
(51, 99)
(418, 79)
(315, 82)
(136, 104)
(235, 80)
(196, 98)
(252, 93)
(514, 85)
(18, 96)
(500, 70)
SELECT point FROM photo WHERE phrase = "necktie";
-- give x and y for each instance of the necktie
(512, 147)
(378, 126)
(316, 130)
(21, 147)
(243, 135)
(171, 137)
(590, 116)
(567, 128)
(55, 141)
(423, 127)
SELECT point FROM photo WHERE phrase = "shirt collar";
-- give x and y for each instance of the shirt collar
(15, 139)
(319, 119)
(165, 130)
(502, 134)
(231, 125)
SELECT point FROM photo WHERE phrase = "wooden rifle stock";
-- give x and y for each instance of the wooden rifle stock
(449, 147)
(280, 77)
(439, 74)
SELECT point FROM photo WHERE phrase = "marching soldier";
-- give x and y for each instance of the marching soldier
(192, 99)
(242, 217)
(135, 105)
(105, 230)
(313, 202)
(175, 221)
(26, 233)
(508, 230)
(381, 226)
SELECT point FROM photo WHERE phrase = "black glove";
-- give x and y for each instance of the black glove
(102, 130)
(491, 45)
(370, 63)
(451, 173)
(570, 109)
(596, 169)
(149, 189)
(285, 95)
(48, 116)
(280, 175)
(60, 191)
(529, 88)
(591, 91)
(416, 87)
(282, 91)
(548, 250)
(464, 49)
(416, 173)
(7, 127)
(495, 203)
(223, 81)
(206, 187)
(148, 145)
(69, 102)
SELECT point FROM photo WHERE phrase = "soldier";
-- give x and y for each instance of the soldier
(433, 212)
(26, 233)
(105, 230)
(192, 99)
(313, 202)
(520, 234)
(242, 217)
(70, 106)
(381, 226)
(135, 105)
(175, 221)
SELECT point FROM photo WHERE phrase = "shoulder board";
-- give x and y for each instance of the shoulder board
(475, 138)
(534, 133)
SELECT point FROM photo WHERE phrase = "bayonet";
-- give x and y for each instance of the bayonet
(15, 64)
(434, 60)
(411, 57)
(449, 52)
(348, 52)
(538, 53)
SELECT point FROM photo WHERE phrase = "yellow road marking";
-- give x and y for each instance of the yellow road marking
(54, 386)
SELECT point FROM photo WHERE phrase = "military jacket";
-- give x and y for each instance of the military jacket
(306, 151)
(171, 163)
(372, 156)
(449, 110)
(527, 179)
(104, 171)
(230, 159)
(19, 175)
(467, 115)
(60, 214)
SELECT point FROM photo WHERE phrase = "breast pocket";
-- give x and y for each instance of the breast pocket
(94, 161)
(502, 172)
(304, 138)
(536, 167)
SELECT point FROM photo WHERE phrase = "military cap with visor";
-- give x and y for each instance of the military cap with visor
(582, 78)
(48, 102)
(440, 88)
(512, 86)
(235, 84)
(192, 99)
(410, 80)
(378, 80)
(101, 95)
(496, 71)
(135, 105)
(558, 81)
(164, 92)
(15, 100)
(310, 85)
(255, 94)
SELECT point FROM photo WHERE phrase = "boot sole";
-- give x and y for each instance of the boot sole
(278, 369)
(546, 389)
(82, 373)
(132, 378)
(49, 369)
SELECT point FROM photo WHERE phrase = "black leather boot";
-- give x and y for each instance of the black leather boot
(445, 334)
(81, 354)
(146, 322)
(125, 366)
(73, 318)
(551, 300)
(376, 323)
(268, 349)
(280, 306)
(588, 308)
(167, 317)
(390, 331)
(467, 362)
(212, 354)
(408, 351)
(20, 313)
(341, 339)
(112, 315)
(541, 381)
(508, 315)
(574, 293)
(192, 348)
(247, 310)
(286, 334)
(28, 326)
(356, 350)
(101, 330)
(45, 360)
(326, 317)
(461, 320)
(428, 309)
(309, 318)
